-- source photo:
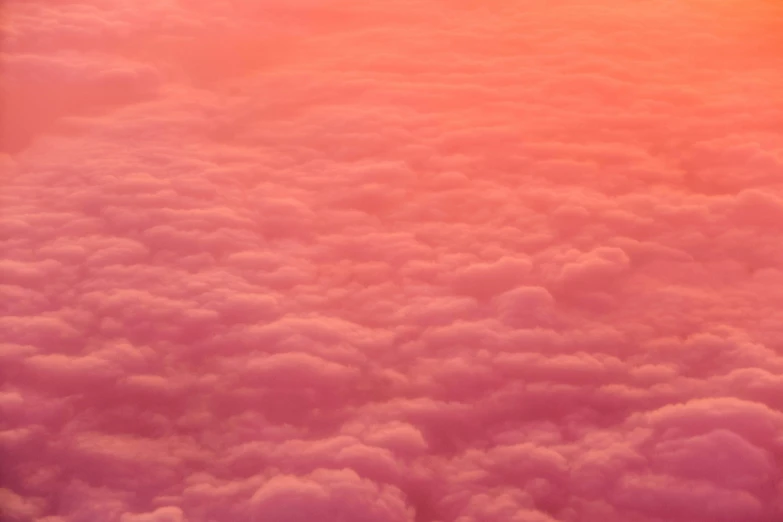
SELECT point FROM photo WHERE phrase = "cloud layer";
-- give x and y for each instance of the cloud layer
(391, 261)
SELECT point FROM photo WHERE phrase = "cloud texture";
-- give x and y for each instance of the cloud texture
(412, 261)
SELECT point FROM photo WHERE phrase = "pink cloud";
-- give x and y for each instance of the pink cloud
(391, 262)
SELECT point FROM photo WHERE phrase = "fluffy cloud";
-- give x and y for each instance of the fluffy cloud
(391, 262)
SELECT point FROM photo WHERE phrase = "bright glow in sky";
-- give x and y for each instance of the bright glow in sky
(391, 261)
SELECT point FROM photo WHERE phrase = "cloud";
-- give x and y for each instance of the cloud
(164, 514)
(339, 494)
(409, 262)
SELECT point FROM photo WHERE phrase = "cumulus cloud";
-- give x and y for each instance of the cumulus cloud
(412, 261)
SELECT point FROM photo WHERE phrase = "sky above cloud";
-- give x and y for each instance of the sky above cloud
(411, 261)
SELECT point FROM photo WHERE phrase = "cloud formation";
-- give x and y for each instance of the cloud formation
(391, 262)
